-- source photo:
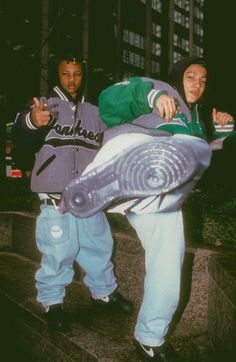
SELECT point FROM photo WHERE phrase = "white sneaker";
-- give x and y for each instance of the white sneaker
(164, 353)
(150, 166)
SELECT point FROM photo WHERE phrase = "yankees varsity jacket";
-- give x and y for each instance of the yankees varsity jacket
(68, 144)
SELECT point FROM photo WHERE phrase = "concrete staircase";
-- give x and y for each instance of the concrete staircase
(94, 336)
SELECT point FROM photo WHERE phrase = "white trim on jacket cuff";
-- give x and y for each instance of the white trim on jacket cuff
(151, 96)
(28, 122)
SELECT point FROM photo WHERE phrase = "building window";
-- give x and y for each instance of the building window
(157, 5)
(197, 50)
(181, 42)
(127, 75)
(183, 4)
(181, 19)
(156, 49)
(156, 67)
(198, 13)
(156, 30)
(133, 39)
(133, 59)
(198, 30)
(200, 3)
(176, 56)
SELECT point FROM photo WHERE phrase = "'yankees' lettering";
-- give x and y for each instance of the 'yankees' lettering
(74, 130)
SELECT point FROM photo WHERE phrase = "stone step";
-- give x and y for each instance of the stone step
(129, 265)
(94, 336)
(190, 327)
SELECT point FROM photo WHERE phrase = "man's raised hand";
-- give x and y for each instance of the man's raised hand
(40, 115)
(167, 107)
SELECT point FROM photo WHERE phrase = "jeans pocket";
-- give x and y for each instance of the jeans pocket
(54, 229)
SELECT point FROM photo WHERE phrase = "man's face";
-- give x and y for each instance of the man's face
(194, 81)
(70, 76)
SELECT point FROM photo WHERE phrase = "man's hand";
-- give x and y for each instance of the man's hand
(40, 115)
(222, 118)
(167, 107)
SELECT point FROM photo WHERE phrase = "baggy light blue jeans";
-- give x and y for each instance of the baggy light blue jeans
(63, 239)
(162, 238)
(160, 230)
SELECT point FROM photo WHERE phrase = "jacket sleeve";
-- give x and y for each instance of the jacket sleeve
(24, 133)
(123, 102)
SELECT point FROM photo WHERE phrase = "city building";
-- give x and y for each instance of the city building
(139, 37)
(117, 39)
(152, 34)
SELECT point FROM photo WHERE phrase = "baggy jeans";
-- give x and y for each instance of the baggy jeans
(63, 239)
(160, 230)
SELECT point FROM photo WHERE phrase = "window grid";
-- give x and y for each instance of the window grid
(181, 42)
(156, 30)
(156, 48)
(127, 75)
(157, 5)
(198, 13)
(133, 59)
(200, 3)
(183, 4)
(176, 56)
(156, 68)
(133, 39)
(181, 19)
(197, 50)
(198, 30)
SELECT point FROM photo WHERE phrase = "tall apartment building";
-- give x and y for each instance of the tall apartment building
(152, 34)
(118, 38)
(142, 37)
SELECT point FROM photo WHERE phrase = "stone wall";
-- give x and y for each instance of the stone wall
(222, 305)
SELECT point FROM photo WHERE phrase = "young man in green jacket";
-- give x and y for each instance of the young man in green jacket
(175, 110)
(154, 153)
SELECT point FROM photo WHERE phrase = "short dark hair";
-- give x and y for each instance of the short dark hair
(70, 56)
(74, 56)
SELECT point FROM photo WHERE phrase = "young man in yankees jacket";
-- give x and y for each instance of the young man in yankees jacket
(66, 132)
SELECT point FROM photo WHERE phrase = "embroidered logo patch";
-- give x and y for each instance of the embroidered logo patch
(56, 231)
